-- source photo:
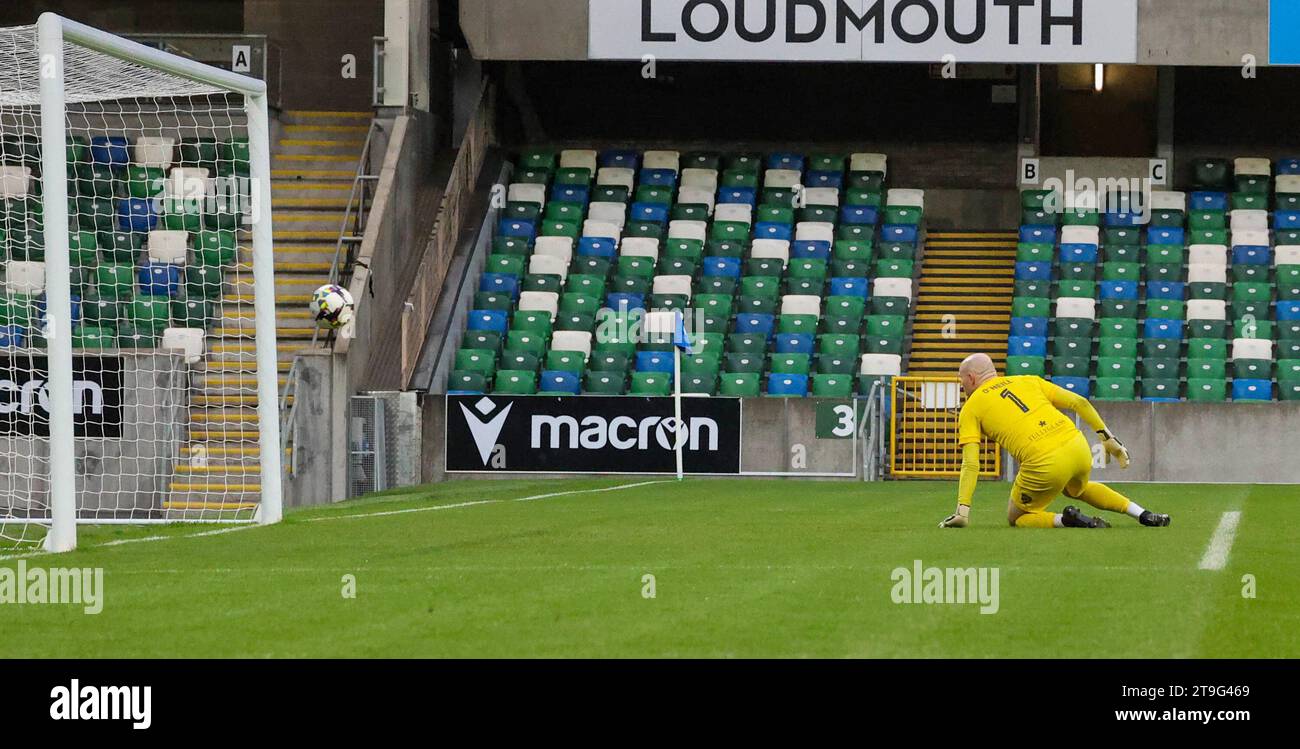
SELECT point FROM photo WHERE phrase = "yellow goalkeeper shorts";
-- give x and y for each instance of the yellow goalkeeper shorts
(1066, 470)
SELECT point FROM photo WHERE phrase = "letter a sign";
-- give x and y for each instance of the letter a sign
(241, 58)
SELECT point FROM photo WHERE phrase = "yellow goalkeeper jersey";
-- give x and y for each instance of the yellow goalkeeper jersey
(1022, 415)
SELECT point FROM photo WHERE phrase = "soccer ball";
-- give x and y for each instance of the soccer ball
(332, 306)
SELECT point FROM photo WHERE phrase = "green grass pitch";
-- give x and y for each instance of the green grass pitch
(741, 569)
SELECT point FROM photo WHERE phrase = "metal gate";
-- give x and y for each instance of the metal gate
(923, 430)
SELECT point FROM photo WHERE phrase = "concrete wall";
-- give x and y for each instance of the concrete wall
(313, 36)
(313, 479)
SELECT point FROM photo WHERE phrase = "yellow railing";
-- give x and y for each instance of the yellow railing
(923, 430)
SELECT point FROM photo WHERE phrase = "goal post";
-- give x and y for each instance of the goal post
(139, 370)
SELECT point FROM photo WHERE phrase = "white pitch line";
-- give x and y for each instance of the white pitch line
(436, 508)
(144, 539)
(1216, 554)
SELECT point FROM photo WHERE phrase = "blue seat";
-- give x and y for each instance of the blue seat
(728, 267)
(755, 323)
(111, 150)
(787, 385)
(1161, 400)
(654, 213)
(12, 336)
(1033, 271)
(738, 195)
(75, 303)
(1286, 220)
(616, 158)
(493, 320)
(825, 179)
(810, 249)
(772, 230)
(785, 160)
(850, 287)
(1165, 235)
(558, 381)
(1078, 385)
(1176, 290)
(654, 361)
(160, 279)
(598, 247)
(1205, 200)
(1079, 253)
(1027, 346)
(571, 194)
(1251, 255)
(1121, 290)
(1288, 166)
(1029, 327)
(1167, 329)
(794, 343)
(859, 215)
(510, 227)
(624, 302)
(499, 283)
(136, 215)
(1288, 311)
(1252, 390)
(899, 233)
(1123, 218)
(659, 177)
(1038, 234)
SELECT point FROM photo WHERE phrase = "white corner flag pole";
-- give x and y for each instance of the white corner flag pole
(682, 434)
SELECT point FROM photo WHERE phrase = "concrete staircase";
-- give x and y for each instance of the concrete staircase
(312, 170)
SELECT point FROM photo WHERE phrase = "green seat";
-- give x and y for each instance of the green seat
(895, 306)
(700, 384)
(746, 343)
(1261, 329)
(144, 181)
(482, 361)
(883, 344)
(894, 269)
(1252, 292)
(842, 326)
(1207, 290)
(559, 210)
(651, 384)
(218, 248)
(91, 337)
(1081, 217)
(1166, 309)
(566, 361)
(526, 340)
(486, 300)
(1122, 308)
(850, 269)
(1167, 368)
(902, 215)
(1206, 369)
(786, 324)
(467, 382)
(506, 264)
(832, 386)
(845, 306)
(886, 325)
(515, 382)
(1288, 370)
(807, 268)
(1160, 348)
(1161, 388)
(1252, 369)
(1038, 289)
(741, 384)
(1026, 365)
(1120, 348)
(1031, 307)
(1207, 220)
(1079, 272)
(1165, 253)
(1207, 390)
(1114, 389)
(1072, 347)
(533, 321)
(842, 365)
(1168, 219)
(570, 229)
(202, 282)
(608, 361)
(1207, 348)
(1121, 271)
(1288, 283)
(1118, 327)
(115, 280)
(897, 251)
(511, 246)
(1159, 272)
(151, 313)
(838, 345)
(1116, 366)
(1071, 366)
(482, 340)
(1127, 236)
(736, 231)
(701, 364)
(821, 214)
(684, 249)
(859, 250)
(799, 364)
(1072, 327)
(1122, 253)
(17, 309)
(605, 383)
(1035, 252)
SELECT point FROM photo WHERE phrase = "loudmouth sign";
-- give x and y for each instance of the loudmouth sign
(591, 434)
(996, 31)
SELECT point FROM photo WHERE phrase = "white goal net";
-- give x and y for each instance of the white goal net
(136, 383)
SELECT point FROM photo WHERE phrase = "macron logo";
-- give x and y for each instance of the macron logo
(485, 432)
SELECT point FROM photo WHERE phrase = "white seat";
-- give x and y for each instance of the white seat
(906, 197)
(814, 231)
(869, 162)
(782, 178)
(188, 342)
(1207, 273)
(1207, 309)
(561, 247)
(24, 277)
(684, 229)
(697, 196)
(822, 196)
(613, 176)
(614, 213)
(1251, 237)
(662, 160)
(1248, 220)
(704, 179)
(1076, 308)
(739, 212)
(14, 181)
(1286, 254)
(1081, 235)
(577, 158)
(892, 287)
(168, 246)
(1207, 254)
(522, 192)
(659, 323)
(548, 265)
(672, 285)
(153, 151)
(801, 304)
(540, 301)
(188, 183)
(1252, 348)
(572, 340)
(1287, 183)
(1168, 201)
(640, 247)
(1252, 167)
(771, 249)
(603, 229)
(881, 364)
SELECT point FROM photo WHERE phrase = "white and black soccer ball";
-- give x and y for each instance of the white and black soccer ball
(332, 306)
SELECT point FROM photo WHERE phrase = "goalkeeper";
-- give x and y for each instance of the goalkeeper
(1022, 414)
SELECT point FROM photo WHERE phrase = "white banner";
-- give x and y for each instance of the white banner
(1001, 31)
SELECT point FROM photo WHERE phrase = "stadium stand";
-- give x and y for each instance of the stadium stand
(795, 273)
(1201, 303)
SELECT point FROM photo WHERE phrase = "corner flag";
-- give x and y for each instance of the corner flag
(680, 338)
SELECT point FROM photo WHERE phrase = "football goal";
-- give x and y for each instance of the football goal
(138, 361)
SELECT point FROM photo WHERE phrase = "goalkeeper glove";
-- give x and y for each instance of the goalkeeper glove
(1114, 447)
(959, 519)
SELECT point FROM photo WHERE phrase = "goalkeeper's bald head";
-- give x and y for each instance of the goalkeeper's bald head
(975, 370)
